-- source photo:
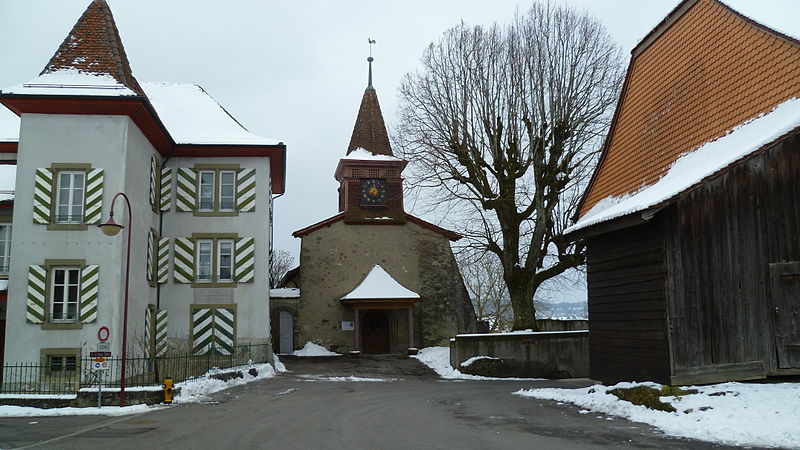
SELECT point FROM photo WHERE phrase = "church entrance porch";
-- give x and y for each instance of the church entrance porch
(375, 333)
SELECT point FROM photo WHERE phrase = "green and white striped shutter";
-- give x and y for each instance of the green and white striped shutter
(153, 180)
(94, 196)
(202, 330)
(151, 243)
(42, 196)
(163, 260)
(183, 261)
(166, 188)
(149, 321)
(186, 190)
(224, 328)
(246, 190)
(37, 280)
(244, 265)
(90, 276)
(161, 332)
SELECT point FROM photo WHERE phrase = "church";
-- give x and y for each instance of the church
(371, 278)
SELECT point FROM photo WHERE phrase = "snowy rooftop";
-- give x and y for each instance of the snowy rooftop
(363, 154)
(284, 293)
(9, 125)
(194, 117)
(694, 166)
(379, 285)
(8, 176)
(71, 82)
(3, 285)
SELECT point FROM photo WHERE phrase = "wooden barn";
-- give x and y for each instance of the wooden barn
(692, 218)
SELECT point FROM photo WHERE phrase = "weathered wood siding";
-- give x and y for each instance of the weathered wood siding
(720, 240)
(627, 307)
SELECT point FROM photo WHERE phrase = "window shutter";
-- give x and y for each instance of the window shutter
(150, 271)
(89, 281)
(42, 196)
(161, 332)
(183, 261)
(94, 196)
(186, 190)
(202, 330)
(224, 330)
(163, 260)
(245, 260)
(166, 188)
(37, 280)
(149, 321)
(246, 190)
(153, 181)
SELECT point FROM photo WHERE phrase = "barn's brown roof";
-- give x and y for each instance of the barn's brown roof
(369, 131)
(701, 72)
(94, 46)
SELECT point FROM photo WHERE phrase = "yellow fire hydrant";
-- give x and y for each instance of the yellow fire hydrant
(167, 390)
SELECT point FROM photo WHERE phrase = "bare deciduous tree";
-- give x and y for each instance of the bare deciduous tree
(483, 277)
(280, 263)
(503, 123)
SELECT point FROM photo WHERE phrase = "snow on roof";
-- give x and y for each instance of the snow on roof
(784, 21)
(4, 285)
(379, 285)
(696, 165)
(194, 117)
(71, 82)
(362, 154)
(284, 293)
(8, 177)
(9, 125)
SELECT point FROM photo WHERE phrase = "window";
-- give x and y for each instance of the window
(64, 292)
(5, 249)
(206, 202)
(227, 190)
(69, 196)
(215, 260)
(217, 191)
(62, 363)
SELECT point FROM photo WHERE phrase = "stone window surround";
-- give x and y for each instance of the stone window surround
(216, 168)
(50, 264)
(46, 353)
(60, 167)
(215, 238)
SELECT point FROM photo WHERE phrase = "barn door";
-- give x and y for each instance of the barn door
(785, 293)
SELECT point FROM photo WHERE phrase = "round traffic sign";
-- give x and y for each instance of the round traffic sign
(103, 334)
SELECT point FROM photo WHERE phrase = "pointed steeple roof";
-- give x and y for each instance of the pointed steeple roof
(94, 46)
(369, 131)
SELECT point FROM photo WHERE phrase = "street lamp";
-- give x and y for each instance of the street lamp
(111, 228)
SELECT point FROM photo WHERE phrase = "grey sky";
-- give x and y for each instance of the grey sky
(290, 70)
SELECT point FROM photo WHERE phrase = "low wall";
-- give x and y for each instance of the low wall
(546, 354)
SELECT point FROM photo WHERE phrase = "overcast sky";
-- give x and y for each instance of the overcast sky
(291, 70)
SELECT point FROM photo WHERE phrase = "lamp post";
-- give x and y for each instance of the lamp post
(111, 228)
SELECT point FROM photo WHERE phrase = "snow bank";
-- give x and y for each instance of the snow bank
(438, 359)
(469, 362)
(763, 415)
(350, 379)
(198, 389)
(312, 349)
(27, 411)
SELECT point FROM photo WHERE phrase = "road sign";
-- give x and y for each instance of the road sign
(104, 347)
(103, 333)
(99, 364)
(100, 354)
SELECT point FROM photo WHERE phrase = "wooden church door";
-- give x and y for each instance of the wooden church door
(375, 332)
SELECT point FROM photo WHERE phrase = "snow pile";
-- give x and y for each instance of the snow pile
(312, 349)
(762, 415)
(469, 362)
(706, 160)
(28, 411)
(194, 117)
(379, 284)
(438, 359)
(350, 379)
(72, 82)
(361, 153)
(198, 388)
(9, 125)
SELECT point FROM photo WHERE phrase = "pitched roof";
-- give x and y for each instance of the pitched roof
(451, 235)
(703, 71)
(94, 46)
(369, 131)
(378, 284)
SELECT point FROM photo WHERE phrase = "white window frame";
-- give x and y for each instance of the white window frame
(200, 243)
(64, 301)
(230, 266)
(200, 196)
(70, 202)
(5, 248)
(232, 196)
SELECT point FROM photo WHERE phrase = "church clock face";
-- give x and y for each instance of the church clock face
(373, 192)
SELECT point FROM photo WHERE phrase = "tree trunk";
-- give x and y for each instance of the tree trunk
(522, 303)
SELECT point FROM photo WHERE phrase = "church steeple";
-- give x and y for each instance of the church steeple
(369, 131)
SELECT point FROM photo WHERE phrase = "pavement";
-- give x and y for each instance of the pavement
(398, 403)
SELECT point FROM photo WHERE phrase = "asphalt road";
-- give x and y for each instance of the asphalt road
(304, 409)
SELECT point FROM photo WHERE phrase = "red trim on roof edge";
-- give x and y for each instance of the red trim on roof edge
(8, 147)
(451, 235)
(316, 226)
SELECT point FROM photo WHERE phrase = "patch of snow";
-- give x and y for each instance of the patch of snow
(9, 125)
(284, 293)
(379, 284)
(706, 160)
(127, 389)
(279, 367)
(28, 411)
(361, 153)
(760, 415)
(312, 349)
(351, 379)
(438, 359)
(198, 389)
(194, 117)
(469, 362)
(521, 332)
(71, 82)
(41, 396)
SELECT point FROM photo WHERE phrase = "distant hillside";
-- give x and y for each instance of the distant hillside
(562, 310)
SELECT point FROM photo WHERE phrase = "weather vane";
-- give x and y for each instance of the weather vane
(369, 60)
(371, 41)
